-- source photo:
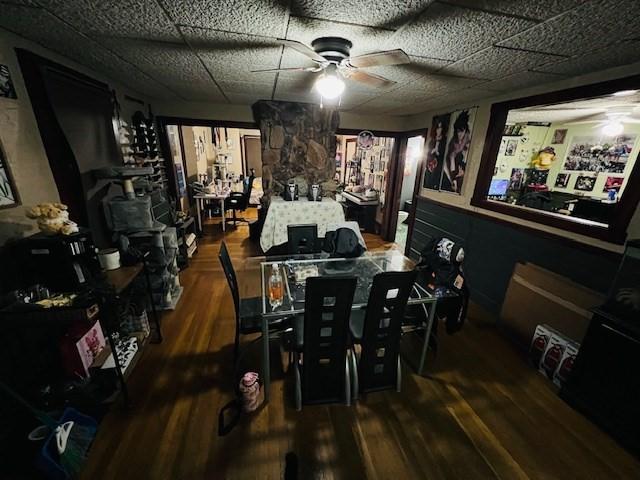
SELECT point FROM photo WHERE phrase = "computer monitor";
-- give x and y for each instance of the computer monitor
(499, 187)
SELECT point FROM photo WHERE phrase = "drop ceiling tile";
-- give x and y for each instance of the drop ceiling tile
(520, 81)
(537, 10)
(497, 62)
(364, 39)
(132, 19)
(389, 14)
(621, 53)
(582, 29)
(41, 27)
(440, 84)
(231, 56)
(257, 17)
(261, 89)
(451, 33)
(172, 64)
(245, 98)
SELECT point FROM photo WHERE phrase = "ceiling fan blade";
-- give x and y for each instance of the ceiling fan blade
(293, 69)
(390, 57)
(304, 49)
(369, 79)
(585, 122)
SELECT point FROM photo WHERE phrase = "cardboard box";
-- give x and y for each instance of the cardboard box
(536, 296)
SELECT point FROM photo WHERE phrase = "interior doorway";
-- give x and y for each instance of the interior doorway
(411, 154)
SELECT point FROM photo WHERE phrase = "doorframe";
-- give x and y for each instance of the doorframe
(396, 190)
(420, 167)
(162, 122)
(243, 151)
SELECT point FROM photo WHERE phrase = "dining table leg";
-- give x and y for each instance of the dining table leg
(222, 213)
(427, 335)
(266, 361)
(199, 212)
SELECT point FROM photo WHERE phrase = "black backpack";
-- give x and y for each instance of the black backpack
(343, 243)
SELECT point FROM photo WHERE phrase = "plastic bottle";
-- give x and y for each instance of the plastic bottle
(276, 291)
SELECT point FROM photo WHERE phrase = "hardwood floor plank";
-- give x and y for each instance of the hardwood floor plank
(480, 412)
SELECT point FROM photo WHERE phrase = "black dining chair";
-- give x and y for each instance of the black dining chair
(247, 310)
(302, 239)
(378, 331)
(239, 201)
(321, 351)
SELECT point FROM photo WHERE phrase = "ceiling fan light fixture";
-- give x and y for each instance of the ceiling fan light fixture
(329, 85)
(625, 93)
(613, 128)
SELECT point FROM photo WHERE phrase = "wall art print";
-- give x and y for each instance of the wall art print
(8, 193)
(448, 150)
(7, 90)
(599, 153)
(585, 183)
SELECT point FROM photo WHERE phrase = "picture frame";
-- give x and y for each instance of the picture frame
(8, 193)
(510, 148)
(559, 136)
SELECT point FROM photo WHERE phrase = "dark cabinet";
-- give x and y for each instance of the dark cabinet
(604, 383)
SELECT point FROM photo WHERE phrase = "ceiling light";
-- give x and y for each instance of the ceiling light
(611, 129)
(329, 84)
(625, 93)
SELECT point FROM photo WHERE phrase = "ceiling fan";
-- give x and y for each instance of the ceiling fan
(333, 62)
(612, 120)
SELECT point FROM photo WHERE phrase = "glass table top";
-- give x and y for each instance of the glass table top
(253, 278)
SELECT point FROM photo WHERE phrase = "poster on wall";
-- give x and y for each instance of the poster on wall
(585, 183)
(612, 183)
(562, 180)
(448, 149)
(559, 136)
(510, 149)
(517, 179)
(436, 148)
(599, 154)
(8, 195)
(7, 89)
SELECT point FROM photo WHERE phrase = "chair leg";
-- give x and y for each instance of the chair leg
(430, 318)
(355, 390)
(236, 347)
(347, 380)
(399, 376)
(296, 366)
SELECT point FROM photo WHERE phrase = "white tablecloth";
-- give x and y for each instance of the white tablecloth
(281, 214)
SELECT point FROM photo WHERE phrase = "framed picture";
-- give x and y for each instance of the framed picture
(585, 183)
(562, 180)
(7, 89)
(612, 183)
(517, 179)
(455, 162)
(559, 136)
(436, 147)
(510, 149)
(599, 153)
(8, 193)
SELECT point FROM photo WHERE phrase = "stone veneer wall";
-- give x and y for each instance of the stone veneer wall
(299, 144)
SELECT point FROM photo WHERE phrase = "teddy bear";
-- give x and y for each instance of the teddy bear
(52, 218)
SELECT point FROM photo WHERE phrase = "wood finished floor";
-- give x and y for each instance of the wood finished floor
(479, 412)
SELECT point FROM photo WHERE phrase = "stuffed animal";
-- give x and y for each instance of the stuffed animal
(52, 218)
(544, 159)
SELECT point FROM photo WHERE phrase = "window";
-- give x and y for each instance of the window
(566, 159)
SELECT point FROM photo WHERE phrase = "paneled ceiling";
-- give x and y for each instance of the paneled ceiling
(461, 50)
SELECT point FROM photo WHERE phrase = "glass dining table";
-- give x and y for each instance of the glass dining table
(253, 277)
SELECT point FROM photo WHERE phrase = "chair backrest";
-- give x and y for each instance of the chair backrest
(328, 302)
(302, 239)
(230, 273)
(388, 298)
